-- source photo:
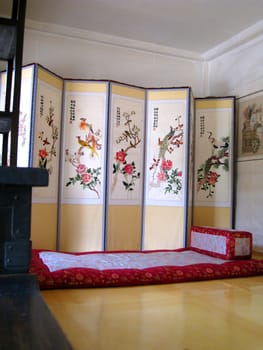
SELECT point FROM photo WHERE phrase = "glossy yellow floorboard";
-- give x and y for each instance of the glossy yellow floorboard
(210, 315)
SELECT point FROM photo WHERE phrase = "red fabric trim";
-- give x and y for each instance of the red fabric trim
(230, 235)
(86, 278)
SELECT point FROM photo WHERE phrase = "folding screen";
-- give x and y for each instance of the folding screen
(168, 168)
(120, 161)
(125, 167)
(83, 165)
(214, 155)
(46, 152)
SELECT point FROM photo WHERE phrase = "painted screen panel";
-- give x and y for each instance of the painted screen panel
(47, 132)
(125, 167)
(45, 154)
(83, 165)
(167, 170)
(126, 146)
(214, 145)
(166, 135)
(25, 113)
(85, 107)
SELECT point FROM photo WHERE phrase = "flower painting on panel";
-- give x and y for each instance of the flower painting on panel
(165, 154)
(47, 133)
(163, 170)
(48, 139)
(126, 145)
(124, 167)
(208, 174)
(83, 146)
(212, 163)
(87, 145)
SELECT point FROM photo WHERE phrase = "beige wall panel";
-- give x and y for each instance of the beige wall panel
(164, 227)
(124, 227)
(44, 225)
(212, 216)
(80, 228)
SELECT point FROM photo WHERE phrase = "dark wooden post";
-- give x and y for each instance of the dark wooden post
(15, 216)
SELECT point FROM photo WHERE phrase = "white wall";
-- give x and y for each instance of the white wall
(82, 58)
(238, 73)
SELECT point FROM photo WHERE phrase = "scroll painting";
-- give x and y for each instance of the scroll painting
(250, 126)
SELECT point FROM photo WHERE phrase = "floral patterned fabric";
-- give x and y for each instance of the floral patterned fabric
(220, 243)
(126, 275)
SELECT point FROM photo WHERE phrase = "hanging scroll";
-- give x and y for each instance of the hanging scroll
(250, 127)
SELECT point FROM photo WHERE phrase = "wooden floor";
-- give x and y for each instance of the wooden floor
(211, 315)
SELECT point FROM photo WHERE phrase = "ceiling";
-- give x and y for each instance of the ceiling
(191, 25)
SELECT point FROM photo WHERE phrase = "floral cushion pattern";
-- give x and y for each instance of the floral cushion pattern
(220, 243)
(130, 275)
